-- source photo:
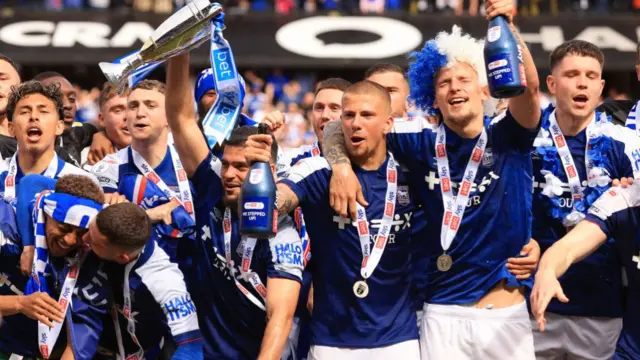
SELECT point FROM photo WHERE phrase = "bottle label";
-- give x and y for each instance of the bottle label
(256, 176)
(500, 71)
(493, 34)
(255, 212)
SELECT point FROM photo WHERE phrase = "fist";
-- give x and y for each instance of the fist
(274, 120)
(258, 148)
(495, 8)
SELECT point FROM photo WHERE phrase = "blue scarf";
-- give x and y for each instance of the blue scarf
(63, 208)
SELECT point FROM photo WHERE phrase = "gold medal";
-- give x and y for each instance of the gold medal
(361, 289)
(444, 262)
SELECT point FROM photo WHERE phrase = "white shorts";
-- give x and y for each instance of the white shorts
(406, 350)
(462, 332)
(576, 337)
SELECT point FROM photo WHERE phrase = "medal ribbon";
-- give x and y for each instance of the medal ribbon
(573, 179)
(10, 180)
(127, 311)
(371, 258)
(245, 269)
(222, 117)
(184, 197)
(454, 206)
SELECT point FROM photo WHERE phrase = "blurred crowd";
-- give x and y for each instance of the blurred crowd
(284, 7)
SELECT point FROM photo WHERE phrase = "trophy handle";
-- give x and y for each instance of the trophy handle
(114, 72)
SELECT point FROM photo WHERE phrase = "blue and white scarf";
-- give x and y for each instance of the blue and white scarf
(63, 208)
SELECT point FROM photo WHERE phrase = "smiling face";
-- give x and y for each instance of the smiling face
(234, 170)
(62, 238)
(459, 94)
(327, 106)
(576, 82)
(8, 77)
(146, 118)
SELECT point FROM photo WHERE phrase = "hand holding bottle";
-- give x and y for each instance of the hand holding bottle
(495, 8)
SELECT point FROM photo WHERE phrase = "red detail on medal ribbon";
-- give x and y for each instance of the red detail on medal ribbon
(226, 225)
(364, 261)
(297, 217)
(560, 141)
(380, 242)
(73, 272)
(275, 221)
(126, 312)
(315, 151)
(572, 171)
(455, 222)
(154, 177)
(133, 357)
(477, 155)
(446, 185)
(44, 350)
(182, 176)
(388, 209)
(440, 151)
(391, 176)
(10, 181)
(188, 206)
(362, 227)
(262, 290)
(577, 196)
(464, 190)
(612, 192)
(63, 303)
(447, 217)
(245, 265)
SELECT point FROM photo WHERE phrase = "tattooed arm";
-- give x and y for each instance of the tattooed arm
(344, 189)
(287, 199)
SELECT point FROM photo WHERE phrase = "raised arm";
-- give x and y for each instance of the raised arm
(525, 108)
(183, 122)
(584, 239)
(344, 189)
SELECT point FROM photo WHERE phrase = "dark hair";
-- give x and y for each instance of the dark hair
(575, 47)
(332, 83)
(51, 92)
(126, 225)
(385, 68)
(240, 135)
(369, 87)
(80, 186)
(150, 85)
(638, 53)
(108, 92)
(48, 75)
(10, 62)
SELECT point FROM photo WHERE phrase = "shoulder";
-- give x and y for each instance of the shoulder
(617, 109)
(307, 167)
(416, 124)
(158, 273)
(616, 199)
(109, 167)
(620, 134)
(70, 169)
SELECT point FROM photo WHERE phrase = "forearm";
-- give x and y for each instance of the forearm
(10, 305)
(333, 144)
(276, 335)
(584, 239)
(190, 144)
(526, 107)
(287, 199)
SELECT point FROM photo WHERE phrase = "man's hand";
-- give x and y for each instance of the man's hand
(495, 8)
(344, 191)
(258, 148)
(310, 300)
(114, 198)
(26, 260)
(40, 306)
(545, 287)
(522, 267)
(274, 120)
(162, 212)
(623, 182)
(101, 146)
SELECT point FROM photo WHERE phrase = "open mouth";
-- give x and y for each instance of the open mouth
(34, 134)
(581, 99)
(125, 130)
(140, 126)
(457, 101)
(357, 140)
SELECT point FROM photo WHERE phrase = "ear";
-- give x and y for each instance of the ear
(551, 84)
(123, 258)
(602, 82)
(485, 93)
(388, 125)
(59, 127)
(101, 119)
(12, 129)
(273, 169)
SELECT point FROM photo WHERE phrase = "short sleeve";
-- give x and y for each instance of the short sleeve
(614, 209)
(508, 134)
(407, 139)
(207, 181)
(308, 179)
(287, 254)
(107, 171)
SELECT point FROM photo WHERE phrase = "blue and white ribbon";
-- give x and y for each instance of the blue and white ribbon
(67, 209)
(140, 73)
(222, 117)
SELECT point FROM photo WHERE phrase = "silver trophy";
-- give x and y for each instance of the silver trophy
(186, 29)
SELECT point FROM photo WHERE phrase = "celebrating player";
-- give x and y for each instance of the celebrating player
(488, 220)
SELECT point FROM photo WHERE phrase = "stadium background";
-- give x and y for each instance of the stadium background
(282, 47)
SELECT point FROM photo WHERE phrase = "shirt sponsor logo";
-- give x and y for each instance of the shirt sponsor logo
(179, 307)
(288, 254)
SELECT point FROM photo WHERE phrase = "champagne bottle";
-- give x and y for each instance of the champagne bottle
(258, 212)
(503, 59)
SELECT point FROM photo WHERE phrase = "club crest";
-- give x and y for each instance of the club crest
(403, 195)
